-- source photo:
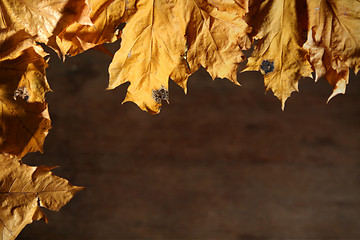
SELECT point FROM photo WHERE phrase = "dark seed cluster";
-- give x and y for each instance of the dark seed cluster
(22, 93)
(160, 94)
(267, 66)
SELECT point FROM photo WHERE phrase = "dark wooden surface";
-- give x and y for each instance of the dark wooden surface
(222, 162)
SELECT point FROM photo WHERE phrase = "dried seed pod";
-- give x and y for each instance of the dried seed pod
(160, 94)
(21, 92)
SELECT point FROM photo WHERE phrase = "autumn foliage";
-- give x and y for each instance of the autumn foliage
(160, 40)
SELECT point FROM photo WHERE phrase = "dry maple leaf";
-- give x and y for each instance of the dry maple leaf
(24, 115)
(152, 49)
(173, 39)
(106, 16)
(216, 33)
(23, 190)
(278, 53)
(42, 18)
(334, 40)
(13, 42)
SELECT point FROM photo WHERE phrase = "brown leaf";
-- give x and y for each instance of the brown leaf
(334, 40)
(24, 115)
(173, 39)
(278, 54)
(42, 18)
(106, 16)
(23, 190)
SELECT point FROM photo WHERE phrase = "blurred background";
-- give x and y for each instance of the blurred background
(222, 162)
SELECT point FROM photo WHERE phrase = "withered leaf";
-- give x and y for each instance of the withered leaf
(13, 42)
(42, 18)
(23, 190)
(216, 32)
(152, 49)
(278, 53)
(24, 115)
(106, 16)
(173, 39)
(334, 40)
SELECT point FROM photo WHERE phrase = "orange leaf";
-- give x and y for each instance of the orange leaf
(278, 53)
(106, 16)
(334, 40)
(23, 190)
(152, 50)
(216, 33)
(42, 18)
(25, 120)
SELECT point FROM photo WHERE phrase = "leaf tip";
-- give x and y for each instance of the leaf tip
(78, 188)
(109, 87)
(339, 88)
(236, 82)
(335, 92)
(283, 104)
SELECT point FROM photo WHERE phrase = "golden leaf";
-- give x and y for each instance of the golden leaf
(278, 54)
(24, 115)
(334, 40)
(23, 190)
(42, 18)
(13, 42)
(173, 39)
(216, 33)
(152, 49)
(106, 16)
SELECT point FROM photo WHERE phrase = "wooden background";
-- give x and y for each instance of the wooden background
(222, 162)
